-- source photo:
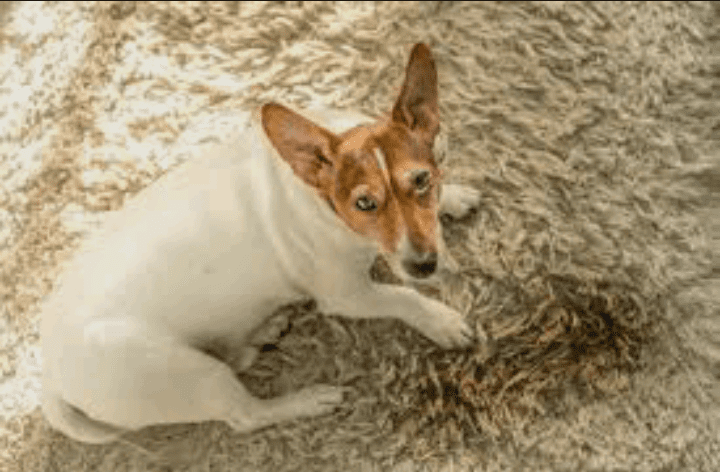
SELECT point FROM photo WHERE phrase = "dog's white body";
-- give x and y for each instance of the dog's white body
(283, 211)
(209, 252)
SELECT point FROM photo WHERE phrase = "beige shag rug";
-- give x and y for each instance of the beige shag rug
(591, 129)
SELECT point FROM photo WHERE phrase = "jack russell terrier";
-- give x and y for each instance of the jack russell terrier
(285, 211)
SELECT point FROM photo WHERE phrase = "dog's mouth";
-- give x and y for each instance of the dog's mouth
(412, 270)
(422, 268)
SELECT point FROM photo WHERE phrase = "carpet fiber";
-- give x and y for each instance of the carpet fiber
(592, 131)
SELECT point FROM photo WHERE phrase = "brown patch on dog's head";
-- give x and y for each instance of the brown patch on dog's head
(381, 180)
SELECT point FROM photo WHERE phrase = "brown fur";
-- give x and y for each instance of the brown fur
(343, 168)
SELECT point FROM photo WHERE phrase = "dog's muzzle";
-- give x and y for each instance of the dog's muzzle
(421, 267)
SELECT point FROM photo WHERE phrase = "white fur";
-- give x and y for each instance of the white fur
(207, 253)
(457, 200)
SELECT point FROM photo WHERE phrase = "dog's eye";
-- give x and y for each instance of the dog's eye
(421, 182)
(365, 204)
(321, 157)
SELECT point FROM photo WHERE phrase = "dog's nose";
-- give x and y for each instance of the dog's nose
(421, 267)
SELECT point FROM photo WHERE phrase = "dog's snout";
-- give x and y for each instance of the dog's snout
(421, 267)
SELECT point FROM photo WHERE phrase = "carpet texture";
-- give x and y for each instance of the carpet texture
(592, 131)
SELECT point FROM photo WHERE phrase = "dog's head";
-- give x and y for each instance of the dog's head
(382, 179)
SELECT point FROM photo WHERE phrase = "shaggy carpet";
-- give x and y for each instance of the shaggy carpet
(591, 129)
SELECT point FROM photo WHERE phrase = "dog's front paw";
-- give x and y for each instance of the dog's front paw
(446, 326)
(457, 200)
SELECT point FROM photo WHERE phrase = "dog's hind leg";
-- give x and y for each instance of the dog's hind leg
(76, 424)
(132, 375)
(267, 334)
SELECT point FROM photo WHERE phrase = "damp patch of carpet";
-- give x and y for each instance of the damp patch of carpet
(591, 131)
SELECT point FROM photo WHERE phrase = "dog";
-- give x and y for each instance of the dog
(285, 210)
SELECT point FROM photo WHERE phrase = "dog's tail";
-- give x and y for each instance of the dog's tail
(76, 424)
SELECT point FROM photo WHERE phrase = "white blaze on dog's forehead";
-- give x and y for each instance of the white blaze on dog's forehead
(382, 164)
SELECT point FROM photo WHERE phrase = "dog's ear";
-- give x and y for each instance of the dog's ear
(307, 147)
(417, 106)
